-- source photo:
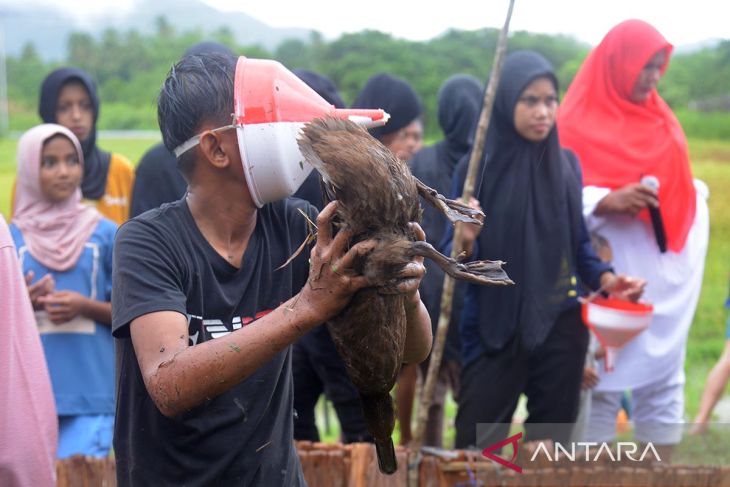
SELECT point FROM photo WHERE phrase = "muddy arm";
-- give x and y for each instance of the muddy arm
(454, 210)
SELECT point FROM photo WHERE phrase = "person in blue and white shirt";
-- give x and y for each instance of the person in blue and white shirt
(65, 251)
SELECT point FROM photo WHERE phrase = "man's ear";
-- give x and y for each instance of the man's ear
(213, 150)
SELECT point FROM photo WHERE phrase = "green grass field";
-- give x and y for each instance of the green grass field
(710, 162)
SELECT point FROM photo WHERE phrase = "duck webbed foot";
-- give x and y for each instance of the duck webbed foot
(454, 210)
(488, 272)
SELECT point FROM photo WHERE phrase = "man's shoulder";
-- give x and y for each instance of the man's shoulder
(167, 213)
(165, 220)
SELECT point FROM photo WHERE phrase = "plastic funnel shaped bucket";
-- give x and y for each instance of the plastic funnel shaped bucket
(271, 106)
(615, 323)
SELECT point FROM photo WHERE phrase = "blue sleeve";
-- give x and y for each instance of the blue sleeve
(16, 236)
(589, 266)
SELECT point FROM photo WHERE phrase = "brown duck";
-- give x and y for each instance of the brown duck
(378, 197)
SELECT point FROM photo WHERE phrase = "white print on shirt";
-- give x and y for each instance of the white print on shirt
(215, 328)
(77, 325)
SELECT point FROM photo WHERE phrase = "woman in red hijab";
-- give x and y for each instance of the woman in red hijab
(640, 195)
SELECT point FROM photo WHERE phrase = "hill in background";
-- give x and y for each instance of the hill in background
(48, 27)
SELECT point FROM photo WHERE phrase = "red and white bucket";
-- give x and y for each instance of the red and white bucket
(615, 322)
(271, 105)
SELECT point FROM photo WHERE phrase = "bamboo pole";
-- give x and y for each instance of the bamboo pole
(448, 290)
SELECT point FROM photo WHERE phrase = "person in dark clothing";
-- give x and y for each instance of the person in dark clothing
(459, 105)
(322, 85)
(316, 365)
(203, 320)
(403, 136)
(527, 338)
(157, 179)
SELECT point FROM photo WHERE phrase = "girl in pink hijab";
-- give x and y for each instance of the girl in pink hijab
(65, 252)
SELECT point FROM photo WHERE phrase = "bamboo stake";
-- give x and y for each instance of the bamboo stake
(448, 290)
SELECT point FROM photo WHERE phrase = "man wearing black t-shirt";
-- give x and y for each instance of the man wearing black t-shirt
(203, 320)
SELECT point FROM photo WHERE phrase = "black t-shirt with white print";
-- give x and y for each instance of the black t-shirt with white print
(244, 436)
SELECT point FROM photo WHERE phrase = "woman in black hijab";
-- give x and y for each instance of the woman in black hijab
(459, 104)
(403, 134)
(528, 338)
(68, 97)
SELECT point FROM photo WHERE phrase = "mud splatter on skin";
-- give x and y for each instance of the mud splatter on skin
(165, 399)
(235, 348)
(162, 349)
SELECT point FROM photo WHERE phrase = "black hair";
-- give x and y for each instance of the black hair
(198, 89)
(208, 47)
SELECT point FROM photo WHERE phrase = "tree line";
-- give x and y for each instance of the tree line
(130, 66)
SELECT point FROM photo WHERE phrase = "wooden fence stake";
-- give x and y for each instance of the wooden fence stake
(448, 290)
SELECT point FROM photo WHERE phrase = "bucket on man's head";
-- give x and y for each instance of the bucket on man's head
(271, 105)
(615, 322)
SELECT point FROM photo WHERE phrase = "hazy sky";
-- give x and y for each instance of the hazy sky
(681, 21)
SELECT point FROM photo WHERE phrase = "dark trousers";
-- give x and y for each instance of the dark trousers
(317, 368)
(550, 377)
